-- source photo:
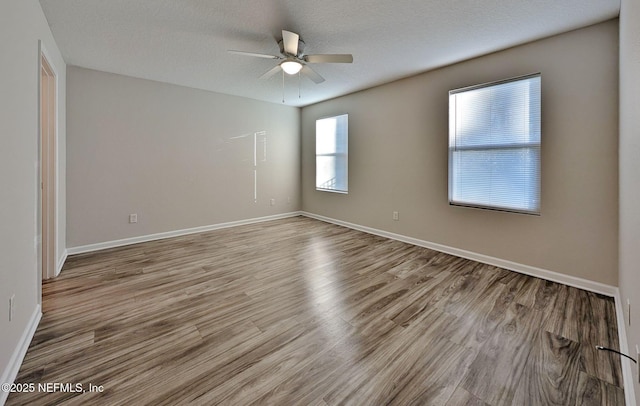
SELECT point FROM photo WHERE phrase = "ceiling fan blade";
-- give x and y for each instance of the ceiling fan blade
(329, 58)
(271, 72)
(311, 74)
(253, 54)
(290, 42)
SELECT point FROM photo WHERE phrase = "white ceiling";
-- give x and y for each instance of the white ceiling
(185, 42)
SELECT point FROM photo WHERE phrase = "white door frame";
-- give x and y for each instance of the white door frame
(48, 158)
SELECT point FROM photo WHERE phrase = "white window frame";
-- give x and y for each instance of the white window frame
(530, 145)
(341, 157)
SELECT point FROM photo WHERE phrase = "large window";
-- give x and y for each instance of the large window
(331, 153)
(494, 145)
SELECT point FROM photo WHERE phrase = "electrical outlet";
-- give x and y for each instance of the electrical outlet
(273, 202)
(133, 218)
(12, 300)
(396, 216)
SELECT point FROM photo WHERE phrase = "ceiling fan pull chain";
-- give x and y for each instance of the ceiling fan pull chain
(283, 86)
(299, 84)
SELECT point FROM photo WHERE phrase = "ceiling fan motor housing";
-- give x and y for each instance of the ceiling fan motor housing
(300, 48)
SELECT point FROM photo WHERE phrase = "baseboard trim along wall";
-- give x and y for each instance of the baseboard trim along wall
(63, 258)
(11, 372)
(159, 236)
(580, 283)
(627, 374)
(576, 282)
(569, 280)
(596, 287)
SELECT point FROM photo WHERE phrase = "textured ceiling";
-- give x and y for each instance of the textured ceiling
(185, 42)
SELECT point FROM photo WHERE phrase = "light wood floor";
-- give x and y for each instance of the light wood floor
(300, 312)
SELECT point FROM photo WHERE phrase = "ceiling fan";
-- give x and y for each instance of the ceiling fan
(294, 60)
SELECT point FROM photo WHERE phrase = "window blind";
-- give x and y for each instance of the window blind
(494, 145)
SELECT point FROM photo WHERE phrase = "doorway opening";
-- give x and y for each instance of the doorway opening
(48, 143)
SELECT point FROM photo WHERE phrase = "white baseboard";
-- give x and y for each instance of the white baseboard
(627, 374)
(16, 360)
(63, 258)
(159, 236)
(576, 282)
(11, 371)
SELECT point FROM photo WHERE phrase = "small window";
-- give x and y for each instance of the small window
(331, 153)
(494, 145)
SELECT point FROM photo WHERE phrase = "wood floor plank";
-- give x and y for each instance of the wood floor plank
(281, 365)
(595, 392)
(416, 365)
(495, 373)
(551, 373)
(603, 364)
(302, 312)
(308, 385)
(477, 325)
(463, 398)
(425, 293)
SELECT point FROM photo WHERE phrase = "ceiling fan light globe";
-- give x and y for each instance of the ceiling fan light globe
(291, 67)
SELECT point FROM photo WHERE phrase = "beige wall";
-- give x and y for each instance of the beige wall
(22, 24)
(398, 158)
(177, 157)
(630, 173)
